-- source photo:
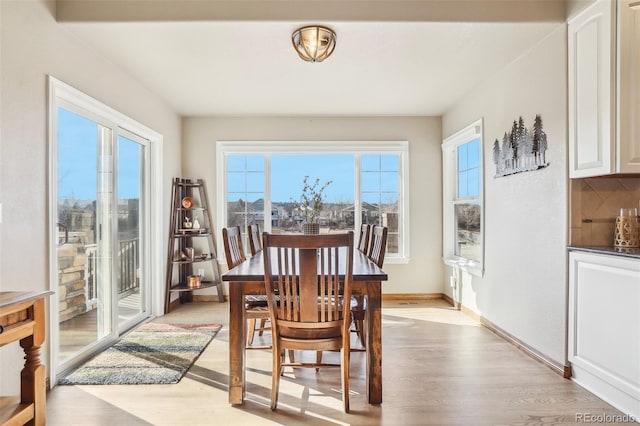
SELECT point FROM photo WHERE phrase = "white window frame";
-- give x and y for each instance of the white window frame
(449, 184)
(356, 148)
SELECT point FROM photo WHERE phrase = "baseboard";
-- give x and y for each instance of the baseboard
(208, 298)
(173, 304)
(411, 296)
(563, 370)
(449, 300)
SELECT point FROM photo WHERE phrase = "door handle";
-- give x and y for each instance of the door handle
(66, 233)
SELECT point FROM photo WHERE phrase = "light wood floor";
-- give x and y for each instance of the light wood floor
(439, 368)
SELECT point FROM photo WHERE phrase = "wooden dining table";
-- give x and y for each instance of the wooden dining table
(248, 278)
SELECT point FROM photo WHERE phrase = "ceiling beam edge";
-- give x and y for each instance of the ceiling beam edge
(312, 10)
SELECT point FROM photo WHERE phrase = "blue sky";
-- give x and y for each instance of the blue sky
(77, 160)
(288, 172)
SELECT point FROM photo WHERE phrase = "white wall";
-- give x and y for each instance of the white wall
(423, 274)
(32, 46)
(524, 287)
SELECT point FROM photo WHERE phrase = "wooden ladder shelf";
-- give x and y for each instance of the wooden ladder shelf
(191, 243)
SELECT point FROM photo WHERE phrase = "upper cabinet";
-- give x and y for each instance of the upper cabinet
(628, 62)
(604, 89)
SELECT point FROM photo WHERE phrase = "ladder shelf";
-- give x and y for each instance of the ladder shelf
(191, 242)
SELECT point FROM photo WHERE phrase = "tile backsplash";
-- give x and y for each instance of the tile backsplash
(595, 203)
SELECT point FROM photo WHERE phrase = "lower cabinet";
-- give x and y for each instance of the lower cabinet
(604, 327)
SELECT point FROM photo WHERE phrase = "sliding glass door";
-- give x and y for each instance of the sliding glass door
(101, 204)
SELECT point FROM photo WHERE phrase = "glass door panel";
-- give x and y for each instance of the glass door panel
(131, 297)
(84, 263)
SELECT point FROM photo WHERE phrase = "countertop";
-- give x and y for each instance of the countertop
(613, 251)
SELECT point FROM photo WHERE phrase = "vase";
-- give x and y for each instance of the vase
(311, 229)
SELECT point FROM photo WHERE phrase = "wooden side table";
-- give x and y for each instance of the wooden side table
(22, 318)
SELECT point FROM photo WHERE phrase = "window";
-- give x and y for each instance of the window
(463, 240)
(260, 183)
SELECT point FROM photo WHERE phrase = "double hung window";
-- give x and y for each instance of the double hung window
(463, 241)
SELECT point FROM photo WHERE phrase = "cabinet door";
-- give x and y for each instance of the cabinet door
(604, 327)
(628, 154)
(591, 91)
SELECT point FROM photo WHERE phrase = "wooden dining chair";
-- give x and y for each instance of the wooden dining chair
(255, 306)
(255, 239)
(307, 280)
(357, 301)
(255, 246)
(378, 245)
(363, 242)
(375, 253)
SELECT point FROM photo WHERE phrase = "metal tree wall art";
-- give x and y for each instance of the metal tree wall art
(522, 150)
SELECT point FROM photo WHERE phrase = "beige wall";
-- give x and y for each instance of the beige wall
(423, 274)
(524, 287)
(33, 46)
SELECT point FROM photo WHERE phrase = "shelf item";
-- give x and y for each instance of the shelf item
(188, 202)
(188, 245)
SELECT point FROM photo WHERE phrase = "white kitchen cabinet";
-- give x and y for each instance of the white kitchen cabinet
(604, 327)
(604, 89)
(628, 105)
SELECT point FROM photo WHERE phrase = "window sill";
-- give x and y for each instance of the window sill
(470, 266)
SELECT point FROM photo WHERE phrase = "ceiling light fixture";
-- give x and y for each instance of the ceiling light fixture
(314, 43)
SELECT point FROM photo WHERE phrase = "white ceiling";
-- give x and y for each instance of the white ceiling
(223, 68)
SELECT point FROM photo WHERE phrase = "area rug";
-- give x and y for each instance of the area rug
(151, 354)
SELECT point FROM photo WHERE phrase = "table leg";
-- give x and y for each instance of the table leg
(237, 338)
(33, 374)
(374, 342)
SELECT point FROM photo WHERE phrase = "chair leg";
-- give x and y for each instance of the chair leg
(318, 360)
(344, 352)
(277, 356)
(251, 330)
(263, 323)
(361, 332)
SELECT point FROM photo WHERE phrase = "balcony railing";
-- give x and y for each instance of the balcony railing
(128, 277)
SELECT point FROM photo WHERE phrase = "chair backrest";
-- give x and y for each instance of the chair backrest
(255, 243)
(378, 245)
(310, 275)
(363, 243)
(233, 251)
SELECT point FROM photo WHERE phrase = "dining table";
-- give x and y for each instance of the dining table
(247, 278)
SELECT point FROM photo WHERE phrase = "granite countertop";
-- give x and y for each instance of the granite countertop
(610, 250)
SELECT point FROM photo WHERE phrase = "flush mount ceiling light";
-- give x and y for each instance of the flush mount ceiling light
(314, 43)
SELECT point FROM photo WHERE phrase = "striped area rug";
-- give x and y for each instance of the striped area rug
(151, 354)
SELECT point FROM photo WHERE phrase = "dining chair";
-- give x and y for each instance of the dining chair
(357, 301)
(375, 253)
(255, 242)
(363, 242)
(307, 280)
(378, 245)
(255, 306)
(255, 246)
